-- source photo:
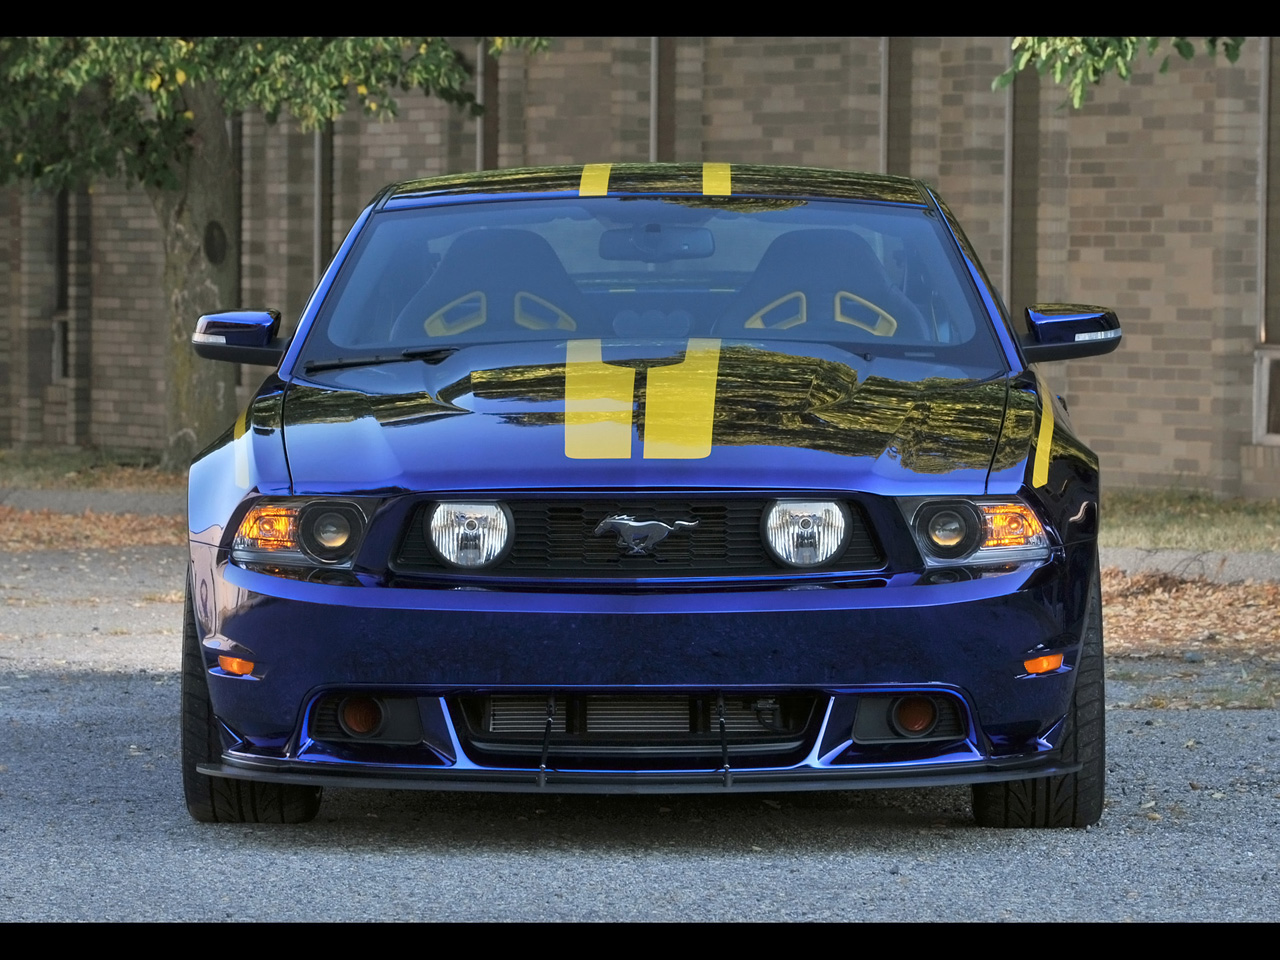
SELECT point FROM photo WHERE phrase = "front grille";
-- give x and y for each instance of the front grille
(620, 726)
(630, 716)
(557, 538)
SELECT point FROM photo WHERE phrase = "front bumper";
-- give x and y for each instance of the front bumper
(837, 642)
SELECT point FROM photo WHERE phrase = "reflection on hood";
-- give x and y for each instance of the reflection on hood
(841, 404)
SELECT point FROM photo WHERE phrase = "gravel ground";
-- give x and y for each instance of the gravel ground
(92, 825)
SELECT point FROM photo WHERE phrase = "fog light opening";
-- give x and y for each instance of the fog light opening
(914, 716)
(361, 716)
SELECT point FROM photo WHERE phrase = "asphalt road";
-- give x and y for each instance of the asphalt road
(92, 825)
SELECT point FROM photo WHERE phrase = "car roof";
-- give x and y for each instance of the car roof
(696, 179)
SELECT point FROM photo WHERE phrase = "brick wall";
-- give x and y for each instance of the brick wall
(1145, 200)
(1160, 197)
(804, 101)
(128, 321)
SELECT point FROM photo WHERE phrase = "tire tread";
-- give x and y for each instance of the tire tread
(1075, 799)
(219, 799)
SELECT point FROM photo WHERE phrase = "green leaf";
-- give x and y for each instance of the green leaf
(1083, 62)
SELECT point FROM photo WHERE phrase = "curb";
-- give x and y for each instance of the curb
(1220, 567)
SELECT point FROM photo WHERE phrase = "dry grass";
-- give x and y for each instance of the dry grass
(1189, 520)
(85, 470)
(1159, 614)
(22, 530)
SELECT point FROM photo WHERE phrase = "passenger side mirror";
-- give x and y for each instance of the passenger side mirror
(240, 336)
(1069, 331)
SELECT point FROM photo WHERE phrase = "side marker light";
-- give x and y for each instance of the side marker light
(235, 665)
(1043, 664)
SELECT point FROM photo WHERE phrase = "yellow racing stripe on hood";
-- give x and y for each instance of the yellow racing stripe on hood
(595, 180)
(1044, 439)
(680, 404)
(716, 180)
(598, 404)
(241, 455)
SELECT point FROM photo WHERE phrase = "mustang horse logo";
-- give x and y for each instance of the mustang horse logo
(640, 537)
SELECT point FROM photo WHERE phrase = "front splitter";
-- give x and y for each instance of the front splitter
(612, 782)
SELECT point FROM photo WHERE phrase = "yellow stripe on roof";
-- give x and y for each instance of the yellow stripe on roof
(715, 180)
(595, 180)
(1044, 439)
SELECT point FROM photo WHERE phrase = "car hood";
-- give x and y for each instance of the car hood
(769, 416)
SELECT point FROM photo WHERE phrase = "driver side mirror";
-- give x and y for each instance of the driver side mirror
(240, 336)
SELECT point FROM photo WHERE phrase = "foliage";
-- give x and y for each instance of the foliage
(154, 110)
(1082, 62)
(75, 107)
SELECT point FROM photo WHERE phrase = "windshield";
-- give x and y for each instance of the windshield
(874, 278)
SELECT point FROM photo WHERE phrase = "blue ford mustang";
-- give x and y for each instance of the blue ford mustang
(648, 478)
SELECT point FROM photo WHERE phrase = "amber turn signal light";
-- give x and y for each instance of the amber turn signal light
(1011, 525)
(235, 665)
(1043, 664)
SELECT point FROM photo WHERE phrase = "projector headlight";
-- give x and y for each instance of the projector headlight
(330, 532)
(300, 532)
(470, 535)
(806, 533)
(975, 531)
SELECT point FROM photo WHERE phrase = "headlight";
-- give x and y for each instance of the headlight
(470, 535)
(331, 532)
(975, 531)
(300, 532)
(806, 533)
(948, 531)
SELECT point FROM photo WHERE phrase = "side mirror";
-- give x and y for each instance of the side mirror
(1068, 331)
(240, 336)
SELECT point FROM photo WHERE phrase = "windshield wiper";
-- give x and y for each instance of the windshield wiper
(430, 355)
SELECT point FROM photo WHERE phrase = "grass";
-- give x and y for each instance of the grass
(1189, 520)
(74, 469)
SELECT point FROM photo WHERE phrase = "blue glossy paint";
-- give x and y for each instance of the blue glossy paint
(488, 421)
(250, 328)
(1071, 322)
(475, 422)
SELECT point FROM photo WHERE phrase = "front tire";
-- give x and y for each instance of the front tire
(218, 799)
(1074, 800)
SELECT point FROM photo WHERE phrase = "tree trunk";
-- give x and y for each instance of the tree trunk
(199, 221)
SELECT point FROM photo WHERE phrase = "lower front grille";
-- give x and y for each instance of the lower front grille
(632, 716)
(638, 726)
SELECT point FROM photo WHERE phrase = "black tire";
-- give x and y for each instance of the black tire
(217, 799)
(1074, 800)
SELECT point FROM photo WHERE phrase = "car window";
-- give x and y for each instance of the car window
(882, 277)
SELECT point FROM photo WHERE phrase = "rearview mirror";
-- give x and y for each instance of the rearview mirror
(657, 243)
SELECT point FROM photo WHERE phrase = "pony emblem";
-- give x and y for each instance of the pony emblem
(640, 537)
